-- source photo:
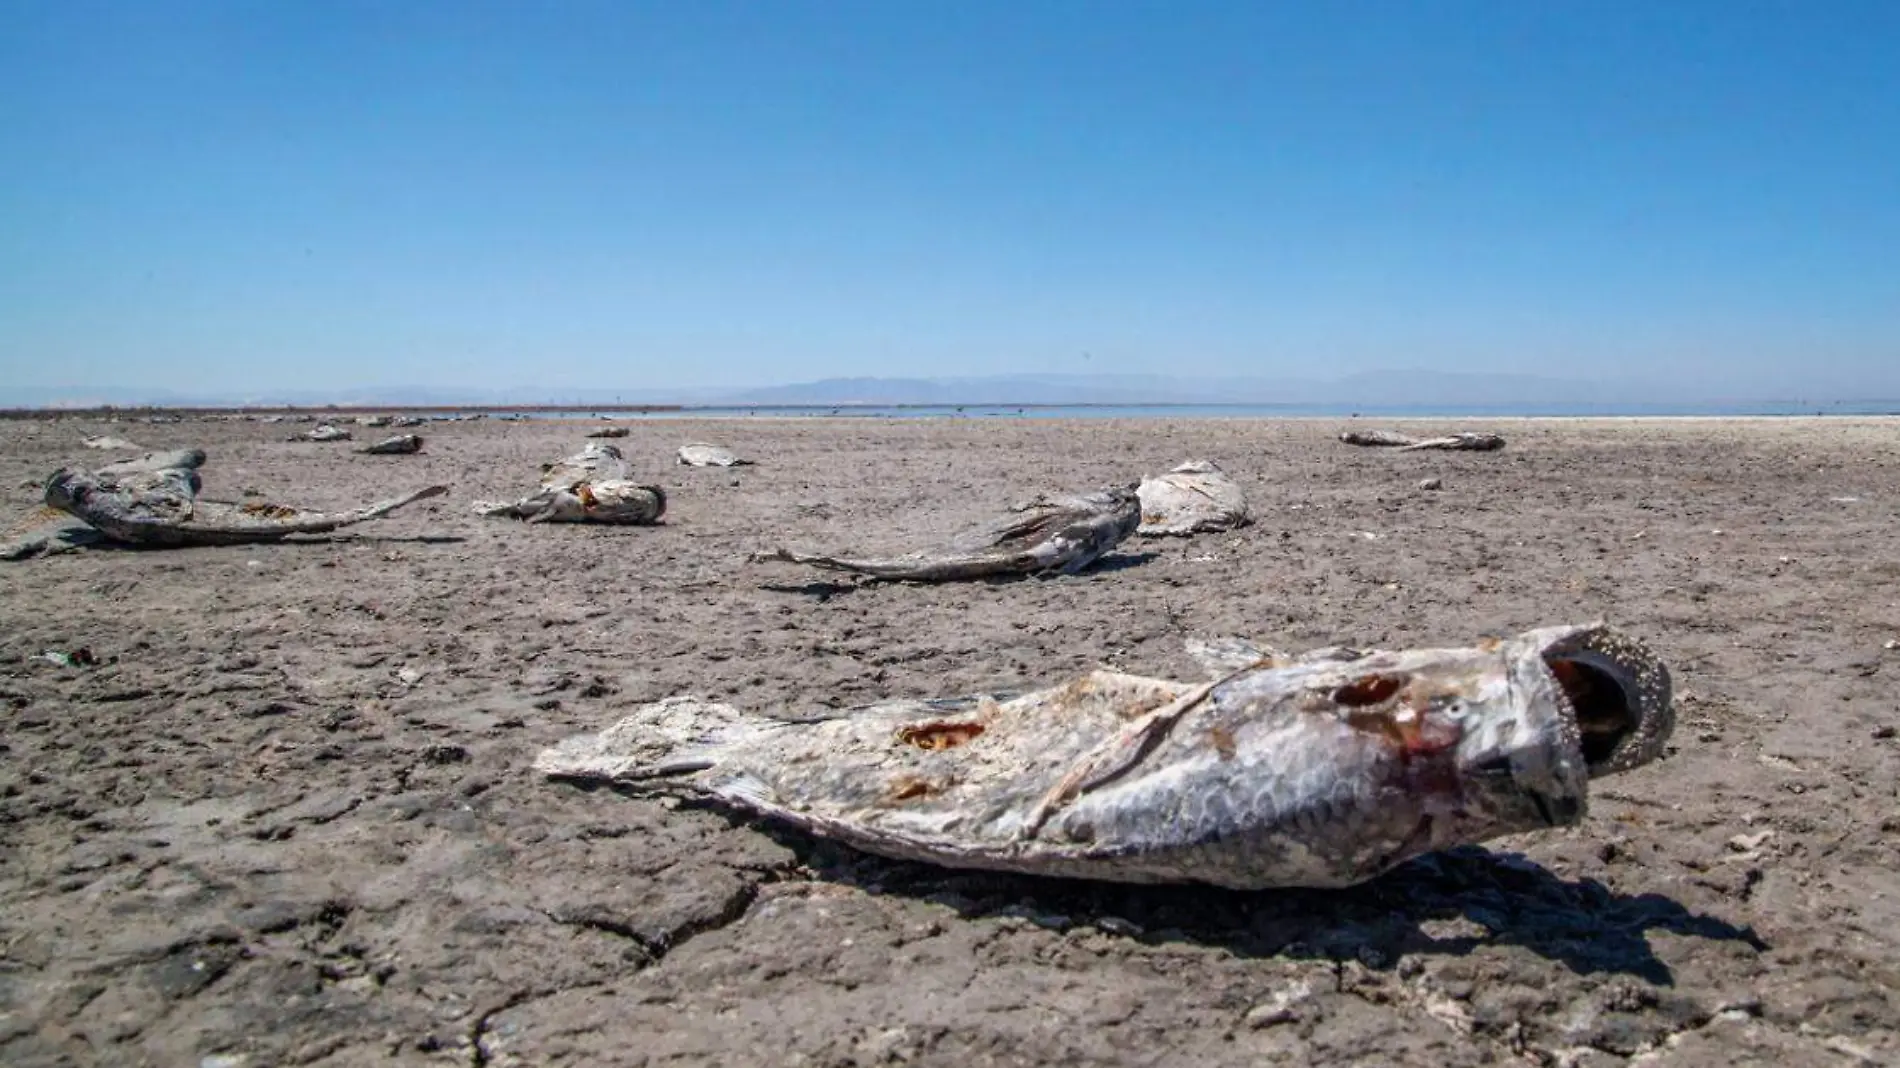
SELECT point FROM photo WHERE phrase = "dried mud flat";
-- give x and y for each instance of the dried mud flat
(287, 817)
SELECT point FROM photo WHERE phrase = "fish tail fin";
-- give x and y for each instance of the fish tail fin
(677, 736)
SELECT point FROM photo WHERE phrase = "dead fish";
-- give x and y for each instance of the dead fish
(700, 454)
(326, 432)
(1054, 535)
(400, 445)
(161, 508)
(1193, 498)
(372, 420)
(1467, 441)
(1322, 771)
(590, 486)
(613, 501)
(104, 442)
(609, 432)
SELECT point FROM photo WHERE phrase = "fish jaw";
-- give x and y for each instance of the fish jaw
(1616, 692)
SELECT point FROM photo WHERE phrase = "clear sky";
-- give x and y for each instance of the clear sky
(274, 193)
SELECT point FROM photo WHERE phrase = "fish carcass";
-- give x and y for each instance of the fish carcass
(1464, 441)
(1048, 535)
(138, 502)
(590, 486)
(400, 445)
(1318, 771)
(701, 454)
(1193, 498)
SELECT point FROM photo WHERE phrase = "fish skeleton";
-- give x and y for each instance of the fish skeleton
(1048, 535)
(1318, 771)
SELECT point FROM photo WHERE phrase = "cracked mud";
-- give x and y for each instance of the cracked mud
(285, 815)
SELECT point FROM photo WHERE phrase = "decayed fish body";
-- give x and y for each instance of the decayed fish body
(1464, 441)
(1052, 535)
(611, 501)
(161, 509)
(588, 487)
(1321, 772)
(400, 445)
(326, 432)
(701, 454)
(1193, 498)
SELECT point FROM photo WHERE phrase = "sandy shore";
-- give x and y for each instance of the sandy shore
(288, 817)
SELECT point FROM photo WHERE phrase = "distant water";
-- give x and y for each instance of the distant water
(1231, 411)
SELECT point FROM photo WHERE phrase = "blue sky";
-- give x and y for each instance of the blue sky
(345, 194)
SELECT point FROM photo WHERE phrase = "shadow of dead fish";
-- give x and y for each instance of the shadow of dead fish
(1048, 535)
(1196, 497)
(591, 486)
(1324, 770)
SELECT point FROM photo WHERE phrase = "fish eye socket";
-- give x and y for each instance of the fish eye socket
(1606, 717)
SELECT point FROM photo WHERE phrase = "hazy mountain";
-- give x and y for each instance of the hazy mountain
(1388, 390)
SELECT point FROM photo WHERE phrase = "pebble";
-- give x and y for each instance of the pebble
(1431, 483)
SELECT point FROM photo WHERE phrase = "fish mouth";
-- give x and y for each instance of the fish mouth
(1618, 693)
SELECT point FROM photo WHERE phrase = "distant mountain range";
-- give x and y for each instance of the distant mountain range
(1389, 390)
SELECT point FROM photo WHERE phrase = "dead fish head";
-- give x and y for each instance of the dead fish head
(1616, 689)
(65, 488)
(1599, 705)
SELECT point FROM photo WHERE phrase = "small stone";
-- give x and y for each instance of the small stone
(1891, 643)
(1884, 732)
(1285, 1006)
(1745, 843)
(1431, 483)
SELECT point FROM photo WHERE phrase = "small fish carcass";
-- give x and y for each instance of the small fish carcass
(701, 454)
(1464, 441)
(400, 445)
(1196, 497)
(1317, 771)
